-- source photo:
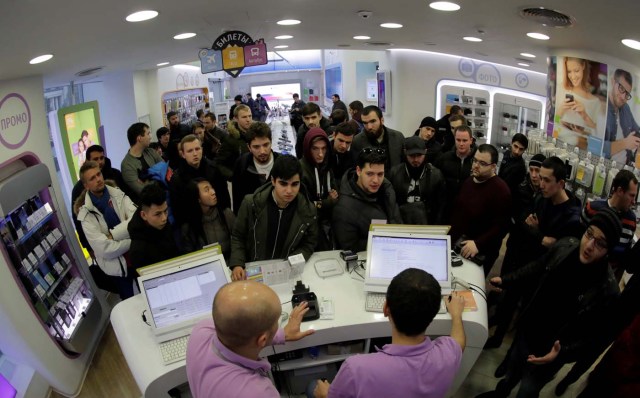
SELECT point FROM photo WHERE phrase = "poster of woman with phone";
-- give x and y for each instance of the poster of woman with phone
(580, 113)
(82, 153)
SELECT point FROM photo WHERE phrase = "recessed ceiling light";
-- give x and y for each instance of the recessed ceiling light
(471, 38)
(361, 37)
(40, 59)
(391, 25)
(538, 36)
(142, 16)
(281, 46)
(288, 22)
(631, 43)
(283, 37)
(183, 36)
(527, 55)
(444, 6)
(162, 64)
(523, 64)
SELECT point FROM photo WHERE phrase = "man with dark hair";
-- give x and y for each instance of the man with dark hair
(456, 166)
(200, 115)
(574, 288)
(251, 103)
(419, 186)
(412, 365)
(227, 347)
(104, 213)
(252, 169)
(312, 117)
(355, 111)
(138, 159)
(338, 104)
(445, 129)
(237, 100)
(377, 135)
(622, 133)
(151, 234)
(163, 135)
(319, 182)
(449, 140)
(295, 112)
(194, 165)
(275, 222)
(261, 107)
(482, 210)
(177, 131)
(234, 144)
(213, 136)
(341, 159)
(512, 168)
(427, 131)
(338, 116)
(366, 197)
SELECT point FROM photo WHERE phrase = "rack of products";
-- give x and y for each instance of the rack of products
(42, 262)
(512, 119)
(185, 102)
(475, 108)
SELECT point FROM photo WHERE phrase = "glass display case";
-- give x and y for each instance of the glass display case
(513, 115)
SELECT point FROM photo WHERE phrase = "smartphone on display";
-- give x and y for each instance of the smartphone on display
(569, 97)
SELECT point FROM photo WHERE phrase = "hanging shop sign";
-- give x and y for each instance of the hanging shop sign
(232, 52)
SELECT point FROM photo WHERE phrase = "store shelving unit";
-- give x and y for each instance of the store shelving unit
(185, 102)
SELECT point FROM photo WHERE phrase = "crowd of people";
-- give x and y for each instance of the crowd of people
(351, 170)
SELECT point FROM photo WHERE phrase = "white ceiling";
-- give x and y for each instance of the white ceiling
(89, 33)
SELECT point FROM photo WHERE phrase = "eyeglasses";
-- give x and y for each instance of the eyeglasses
(368, 150)
(623, 90)
(599, 243)
(481, 162)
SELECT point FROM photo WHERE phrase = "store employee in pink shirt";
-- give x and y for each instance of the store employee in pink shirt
(223, 352)
(412, 365)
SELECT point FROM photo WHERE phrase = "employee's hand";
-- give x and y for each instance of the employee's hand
(632, 141)
(469, 249)
(496, 283)
(550, 357)
(548, 241)
(455, 305)
(322, 389)
(532, 221)
(292, 329)
(238, 274)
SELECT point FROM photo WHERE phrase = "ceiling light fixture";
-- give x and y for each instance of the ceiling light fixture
(538, 36)
(528, 55)
(444, 6)
(287, 22)
(631, 43)
(361, 37)
(142, 16)
(391, 25)
(281, 46)
(162, 64)
(283, 37)
(471, 38)
(523, 64)
(40, 59)
(183, 36)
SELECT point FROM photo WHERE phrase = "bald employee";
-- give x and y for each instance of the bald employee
(223, 352)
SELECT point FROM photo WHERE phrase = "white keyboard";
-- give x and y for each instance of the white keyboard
(174, 350)
(375, 301)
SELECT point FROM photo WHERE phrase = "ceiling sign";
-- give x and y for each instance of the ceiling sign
(231, 52)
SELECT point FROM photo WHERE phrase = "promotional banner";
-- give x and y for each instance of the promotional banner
(622, 133)
(232, 52)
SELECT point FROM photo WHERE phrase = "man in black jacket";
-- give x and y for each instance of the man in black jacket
(562, 317)
(376, 134)
(512, 168)
(445, 129)
(340, 156)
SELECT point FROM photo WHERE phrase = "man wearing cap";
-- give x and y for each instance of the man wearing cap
(427, 131)
(419, 186)
(512, 168)
(564, 314)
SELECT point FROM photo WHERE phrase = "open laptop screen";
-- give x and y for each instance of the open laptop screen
(390, 253)
(183, 294)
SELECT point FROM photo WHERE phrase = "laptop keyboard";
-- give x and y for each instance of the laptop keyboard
(174, 350)
(375, 301)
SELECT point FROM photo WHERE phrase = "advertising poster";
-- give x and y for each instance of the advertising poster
(622, 133)
(79, 128)
(580, 104)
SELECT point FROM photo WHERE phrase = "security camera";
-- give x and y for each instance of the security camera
(365, 14)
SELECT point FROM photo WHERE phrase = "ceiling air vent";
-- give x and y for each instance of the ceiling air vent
(378, 44)
(344, 45)
(89, 72)
(547, 17)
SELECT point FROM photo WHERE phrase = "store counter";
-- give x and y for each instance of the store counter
(351, 322)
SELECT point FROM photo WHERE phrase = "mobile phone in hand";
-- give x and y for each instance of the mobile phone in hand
(569, 97)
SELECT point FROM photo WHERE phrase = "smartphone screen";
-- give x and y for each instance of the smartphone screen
(569, 97)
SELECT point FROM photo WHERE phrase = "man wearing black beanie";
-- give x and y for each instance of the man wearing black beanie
(567, 308)
(427, 131)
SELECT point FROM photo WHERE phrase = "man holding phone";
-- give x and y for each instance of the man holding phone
(621, 137)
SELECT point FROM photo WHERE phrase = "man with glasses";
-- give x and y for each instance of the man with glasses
(366, 197)
(622, 133)
(482, 210)
(575, 285)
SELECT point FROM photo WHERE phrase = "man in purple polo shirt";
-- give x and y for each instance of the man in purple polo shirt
(223, 352)
(412, 365)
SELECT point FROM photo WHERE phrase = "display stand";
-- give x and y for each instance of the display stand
(513, 115)
(185, 102)
(475, 105)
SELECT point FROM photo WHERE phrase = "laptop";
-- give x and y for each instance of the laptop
(389, 253)
(180, 296)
